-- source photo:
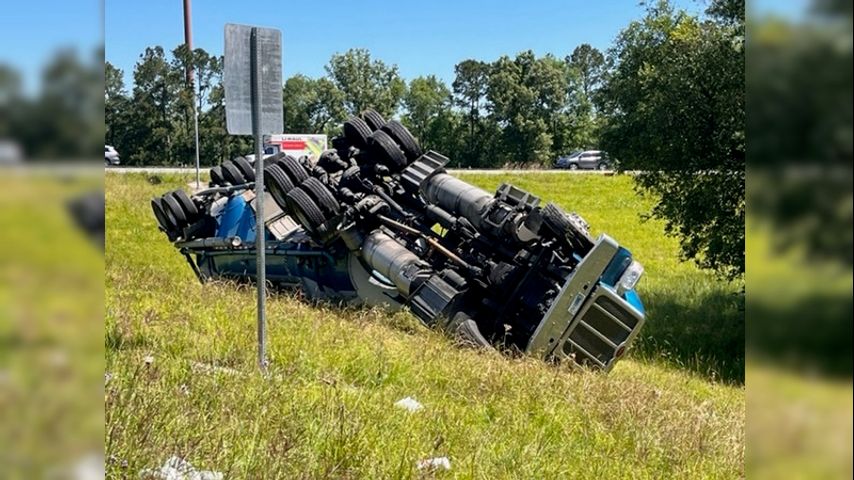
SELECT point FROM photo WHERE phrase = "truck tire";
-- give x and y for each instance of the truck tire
(245, 168)
(232, 174)
(173, 209)
(216, 176)
(404, 138)
(321, 196)
(307, 212)
(564, 230)
(166, 223)
(374, 120)
(465, 329)
(293, 169)
(356, 131)
(278, 184)
(383, 150)
(187, 205)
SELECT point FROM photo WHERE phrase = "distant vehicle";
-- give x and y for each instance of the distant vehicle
(585, 160)
(10, 153)
(111, 156)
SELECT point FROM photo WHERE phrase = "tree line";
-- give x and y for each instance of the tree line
(60, 121)
(667, 98)
(518, 110)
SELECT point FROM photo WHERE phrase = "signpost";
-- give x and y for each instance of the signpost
(253, 106)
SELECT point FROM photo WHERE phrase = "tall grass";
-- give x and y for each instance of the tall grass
(182, 376)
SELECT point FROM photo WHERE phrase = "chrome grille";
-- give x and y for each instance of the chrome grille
(605, 324)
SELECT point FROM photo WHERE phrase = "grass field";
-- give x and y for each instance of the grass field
(673, 409)
(51, 322)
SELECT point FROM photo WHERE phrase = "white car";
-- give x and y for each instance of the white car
(111, 156)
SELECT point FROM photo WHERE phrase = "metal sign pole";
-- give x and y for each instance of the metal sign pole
(260, 268)
(252, 77)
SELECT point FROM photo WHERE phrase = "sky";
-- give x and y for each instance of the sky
(421, 38)
(31, 31)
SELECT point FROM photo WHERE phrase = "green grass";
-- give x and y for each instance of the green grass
(51, 311)
(674, 408)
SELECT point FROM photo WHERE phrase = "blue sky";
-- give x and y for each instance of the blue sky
(420, 37)
(425, 37)
(32, 31)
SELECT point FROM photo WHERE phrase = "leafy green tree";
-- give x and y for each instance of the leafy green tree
(469, 87)
(193, 96)
(800, 131)
(312, 106)
(426, 99)
(585, 70)
(366, 83)
(10, 100)
(10, 84)
(115, 103)
(675, 107)
(69, 103)
(523, 95)
(155, 93)
(589, 63)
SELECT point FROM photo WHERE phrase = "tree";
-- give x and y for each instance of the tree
(800, 130)
(588, 63)
(426, 99)
(524, 93)
(69, 103)
(366, 83)
(155, 93)
(675, 108)
(10, 99)
(585, 70)
(469, 87)
(311, 106)
(115, 102)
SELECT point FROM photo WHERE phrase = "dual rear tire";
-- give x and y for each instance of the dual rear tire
(174, 211)
(306, 198)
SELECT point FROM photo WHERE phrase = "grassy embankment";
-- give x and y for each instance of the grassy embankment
(673, 409)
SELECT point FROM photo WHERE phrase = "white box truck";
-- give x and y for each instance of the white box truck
(294, 144)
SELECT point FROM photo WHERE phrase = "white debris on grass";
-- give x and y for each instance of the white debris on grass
(177, 468)
(90, 467)
(148, 359)
(409, 404)
(436, 463)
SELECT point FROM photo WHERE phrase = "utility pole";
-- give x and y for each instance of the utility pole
(191, 79)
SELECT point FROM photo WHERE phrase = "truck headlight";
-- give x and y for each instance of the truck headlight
(630, 277)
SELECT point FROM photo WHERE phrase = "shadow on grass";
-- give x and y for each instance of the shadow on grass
(812, 334)
(704, 335)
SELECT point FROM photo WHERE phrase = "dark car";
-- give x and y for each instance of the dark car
(585, 160)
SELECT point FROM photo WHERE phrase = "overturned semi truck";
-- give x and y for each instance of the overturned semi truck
(377, 221)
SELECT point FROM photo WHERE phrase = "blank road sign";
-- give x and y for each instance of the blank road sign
(237, 79)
